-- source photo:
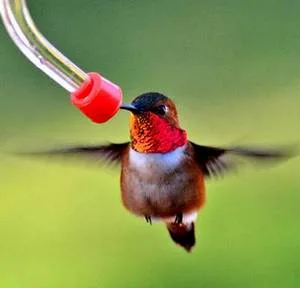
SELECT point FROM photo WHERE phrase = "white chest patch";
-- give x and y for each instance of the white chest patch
(158, 161)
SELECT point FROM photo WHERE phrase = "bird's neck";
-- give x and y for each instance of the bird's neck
(156, 136)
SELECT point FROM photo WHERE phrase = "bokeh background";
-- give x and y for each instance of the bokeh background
(233, 68)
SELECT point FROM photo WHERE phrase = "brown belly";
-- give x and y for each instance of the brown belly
(156, 194)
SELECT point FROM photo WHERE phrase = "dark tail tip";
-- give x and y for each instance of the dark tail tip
(183, 235)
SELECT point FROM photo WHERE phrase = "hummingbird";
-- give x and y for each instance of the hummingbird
(163, 173)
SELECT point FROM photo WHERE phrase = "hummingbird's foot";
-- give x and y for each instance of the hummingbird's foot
(178, 218)
(148, 219)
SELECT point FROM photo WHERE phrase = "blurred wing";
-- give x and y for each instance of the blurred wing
(110, 153)
(214, 161)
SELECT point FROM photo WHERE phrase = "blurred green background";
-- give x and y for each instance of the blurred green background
(233, 68)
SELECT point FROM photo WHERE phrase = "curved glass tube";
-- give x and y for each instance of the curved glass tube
(36, 48)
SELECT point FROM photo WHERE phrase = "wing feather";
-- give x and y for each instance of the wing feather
(110, 153)
(215, 161)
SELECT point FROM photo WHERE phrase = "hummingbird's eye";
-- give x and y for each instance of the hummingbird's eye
(161, 110)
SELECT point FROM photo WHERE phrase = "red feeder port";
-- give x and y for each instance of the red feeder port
(97, 98)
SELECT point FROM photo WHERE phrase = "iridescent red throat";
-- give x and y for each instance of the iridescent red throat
(153, 134)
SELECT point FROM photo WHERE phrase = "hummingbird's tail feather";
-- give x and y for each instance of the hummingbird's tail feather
(183, 234)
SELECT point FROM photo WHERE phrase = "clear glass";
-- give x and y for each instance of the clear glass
(36, 48)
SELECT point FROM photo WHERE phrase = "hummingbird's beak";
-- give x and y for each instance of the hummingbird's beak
(130, 108)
